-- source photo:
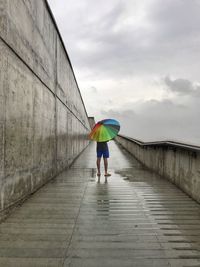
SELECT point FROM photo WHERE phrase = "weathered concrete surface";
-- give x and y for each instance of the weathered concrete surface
(180, 163)
(91, 121)
(43, 121)
(135, 219)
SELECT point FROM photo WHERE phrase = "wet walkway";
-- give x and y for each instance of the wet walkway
(135, 219)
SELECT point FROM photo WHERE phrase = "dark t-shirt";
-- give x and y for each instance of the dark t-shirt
(102, 146)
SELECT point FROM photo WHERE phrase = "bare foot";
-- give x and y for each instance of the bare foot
(107, 174)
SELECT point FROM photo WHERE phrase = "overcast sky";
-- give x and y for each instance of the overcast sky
(137, 61)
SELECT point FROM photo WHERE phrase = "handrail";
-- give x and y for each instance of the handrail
(165, 143)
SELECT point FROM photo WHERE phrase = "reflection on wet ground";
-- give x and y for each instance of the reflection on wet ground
(135, 218)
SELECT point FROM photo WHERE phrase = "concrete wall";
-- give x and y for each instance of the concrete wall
(43, 121)
(179, 163)
(91, 121)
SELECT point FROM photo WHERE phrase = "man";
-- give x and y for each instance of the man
(102, 150)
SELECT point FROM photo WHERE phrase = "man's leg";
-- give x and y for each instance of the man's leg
(98, 166)
(106, 167)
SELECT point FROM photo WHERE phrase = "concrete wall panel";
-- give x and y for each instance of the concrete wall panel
(18, 130)
(62, 133)
(66, 81)
(31, 34)
(28, 121)
(3, 18)
(3, 87)
(64, 77)
(44, 134)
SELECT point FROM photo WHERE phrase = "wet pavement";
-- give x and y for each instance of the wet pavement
(135, 218)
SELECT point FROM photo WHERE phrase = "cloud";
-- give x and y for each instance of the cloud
(182, 86)
(177, 18)
(92, 90)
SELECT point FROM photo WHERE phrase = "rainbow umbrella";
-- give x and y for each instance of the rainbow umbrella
(105, 130)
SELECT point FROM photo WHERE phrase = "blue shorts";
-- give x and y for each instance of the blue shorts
(104, 153)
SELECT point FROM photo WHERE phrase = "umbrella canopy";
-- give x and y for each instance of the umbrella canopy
(105, 130)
